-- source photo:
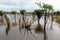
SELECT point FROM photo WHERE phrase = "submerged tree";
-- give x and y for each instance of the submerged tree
(46, 8)
(14, 13)
(1, 15)
(19, 25)
(27, 27)
(8, 23)
(49, 9)
(39, 14)
(22, 13)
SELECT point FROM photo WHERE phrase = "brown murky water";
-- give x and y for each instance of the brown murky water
(14, 34)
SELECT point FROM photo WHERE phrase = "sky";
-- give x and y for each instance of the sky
(28, 5)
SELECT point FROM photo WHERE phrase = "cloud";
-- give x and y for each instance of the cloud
(29, 5)
(9, 5)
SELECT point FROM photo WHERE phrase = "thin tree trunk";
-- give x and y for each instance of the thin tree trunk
(33, 15)
(23, 18)
(19, 25)
(38, 21)
(45, 27)
(51, 22)
(15, 18)
(2, 19)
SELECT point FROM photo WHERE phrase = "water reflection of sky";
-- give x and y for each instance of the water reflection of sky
(14, 33)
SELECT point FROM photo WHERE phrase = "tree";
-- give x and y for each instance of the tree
(58, 12)
(14, 13)
(1, 14)
(45, 7)
(8, 23)
(41, 6)
(49, 8)
(22, 13)
(39, 14)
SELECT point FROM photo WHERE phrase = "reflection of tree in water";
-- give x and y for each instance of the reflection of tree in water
(52, 19)
(38, 29)
(39, 15)
(26, 26)
(19, 25)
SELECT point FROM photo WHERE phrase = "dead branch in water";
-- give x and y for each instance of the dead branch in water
(27, 27)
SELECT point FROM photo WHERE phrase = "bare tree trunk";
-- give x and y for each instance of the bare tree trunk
(19, 25)
(33, 15)
(51, 21)
(2, 19)
(15, 18)
(45, 27)
(23, 17)
(38, 21)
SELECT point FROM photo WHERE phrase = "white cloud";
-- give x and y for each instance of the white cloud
(55, 3)
(29, 5)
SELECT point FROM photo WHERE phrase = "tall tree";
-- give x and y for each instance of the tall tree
(39, 14)
(41, 6)
(8, 23)
(22, 13)
(1, 15)
(45, 7)
(14, 13)
(49, 8)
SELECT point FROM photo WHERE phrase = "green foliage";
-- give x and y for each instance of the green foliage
(39, 13)
(57, 12)
(45, 6)
(13, 12)
(48, 6)
(1, 12)
(39, 4)
(57, 19)
(22, 11)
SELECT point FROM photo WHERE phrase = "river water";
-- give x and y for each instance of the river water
(14, 34)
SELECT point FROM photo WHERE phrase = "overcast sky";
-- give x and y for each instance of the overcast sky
(29, 5)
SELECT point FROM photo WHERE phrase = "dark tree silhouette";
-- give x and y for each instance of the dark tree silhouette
(1, 15)
(46, 7)
(39, 14)
(22, 13)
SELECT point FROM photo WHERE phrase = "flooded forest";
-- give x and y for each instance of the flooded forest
(42, 24)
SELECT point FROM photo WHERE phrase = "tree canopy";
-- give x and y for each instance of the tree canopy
(13, 12)
(44, 6)
(22, 11)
